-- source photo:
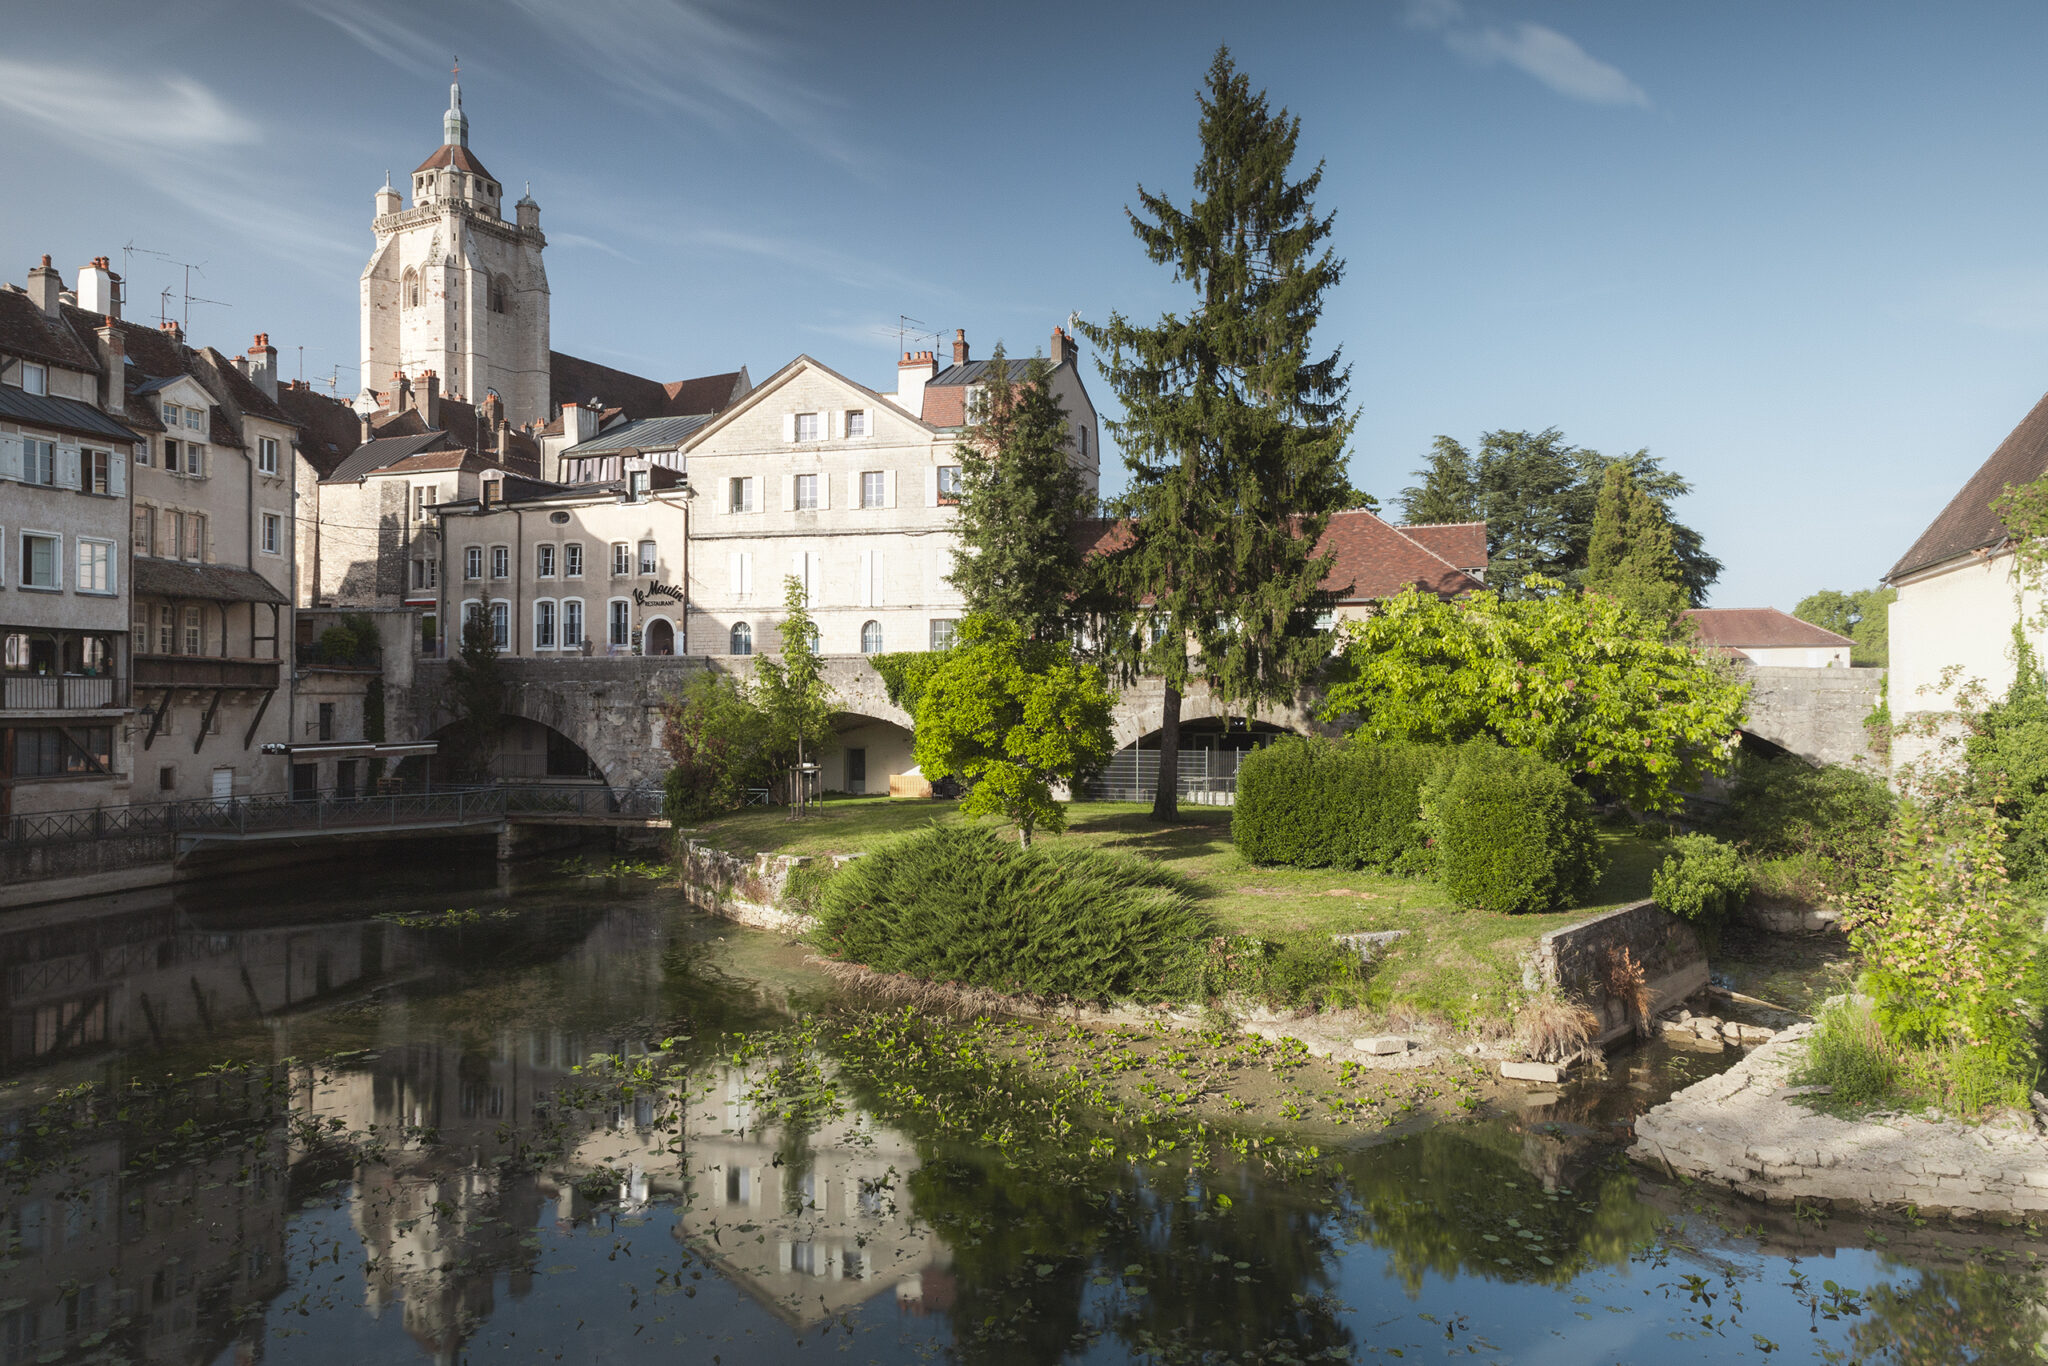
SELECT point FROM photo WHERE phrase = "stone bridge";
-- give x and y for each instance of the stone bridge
(1817, 714)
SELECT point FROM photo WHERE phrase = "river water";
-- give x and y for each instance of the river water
(423, 1113)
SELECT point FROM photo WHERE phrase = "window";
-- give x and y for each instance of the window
(544, 625)
(195, 535)
(266, 455)
(807, 427)
(95, 566)
(170, 415)
(619, 626)
(419, 502)
(426, 573)
(326, 720)
(742, 638)
(807, 493)
(93, 468)
(166, 630)
(572, 560)
(167, 778)
(192, 417)
(622, 560)
(273, 534)
(498, 292)
(949, 483)
(46, 751)
(38, 462)
(945, 630)
(871, 638)
(873, 488)
(856, 423)
(544, 561)
(170, 456)
(501, 562)
(34, 379)
(412, 290)
(174, 535)
(145, 530)
(648, 560)
(142, 452)
(195, 459)
(742, 495)
(40, 560)
(501, 624)
(195, 632)
(636, 483)
(572, 623)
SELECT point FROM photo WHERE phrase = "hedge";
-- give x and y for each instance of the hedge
(1315, 804)
(1510, 832)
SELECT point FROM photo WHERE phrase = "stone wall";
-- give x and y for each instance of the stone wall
(1744, 1129)
(1817, 713)
(747, 890)
(1574, 962)
(50, 872)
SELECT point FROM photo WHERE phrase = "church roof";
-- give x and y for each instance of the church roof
(382, 453)
(461, 158)
(1968, 523)
(575, 380)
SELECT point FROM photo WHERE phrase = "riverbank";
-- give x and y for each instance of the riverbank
(1747, 1129)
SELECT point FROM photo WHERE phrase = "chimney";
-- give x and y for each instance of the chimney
(263, 365)
(401, 396)
(175, 331)
(913, 372)
(113, 360)
(364, 418)
(1062, 347)
(99, 289)
(959, 346)
(45, 286)
(431, 408)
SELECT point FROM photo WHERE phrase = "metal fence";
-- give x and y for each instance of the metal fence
(61, 692)
(1208, 777)
(279, 812)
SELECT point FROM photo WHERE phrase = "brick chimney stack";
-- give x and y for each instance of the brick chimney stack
(113, 349)
(401, 395)
(1062, 346)
(430, 409)
(175, 331)
(913, 372)
(959, 346)
(263, 365)
(46, 287)
(99, 289)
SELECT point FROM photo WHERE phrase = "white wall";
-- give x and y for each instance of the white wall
(1798, 656)
(1956, 617)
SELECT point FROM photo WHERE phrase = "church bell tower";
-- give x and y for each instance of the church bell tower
(454, 288)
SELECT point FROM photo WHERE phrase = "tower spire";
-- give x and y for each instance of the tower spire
(455, 124)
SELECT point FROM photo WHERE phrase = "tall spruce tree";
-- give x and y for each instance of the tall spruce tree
(1233, 433)
(1020, 498)
(1629, 556)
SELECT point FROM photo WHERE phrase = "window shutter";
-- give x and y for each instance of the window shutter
(824, 490)
(789, 493)
(800, 570)
(746, 572)
(888, 488)
(866, 575)
(828, 424)
(789, 428)
(67, 467)
(10, 458)
(117, 472)
(733, 573)
(931, 487)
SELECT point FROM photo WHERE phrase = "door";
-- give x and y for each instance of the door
(856, 770)
(660, 639)
(345, 778)
(223, 784)
(305, 782)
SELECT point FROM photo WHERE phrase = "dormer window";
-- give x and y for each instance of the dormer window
(35, 379)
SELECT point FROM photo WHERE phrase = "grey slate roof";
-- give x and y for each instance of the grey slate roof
(372, 456)
(64, 414)
(154, 578)
(647, 434)
(976, 371)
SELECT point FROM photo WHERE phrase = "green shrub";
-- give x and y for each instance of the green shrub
(1290, 970)
(1314, 804)
(1832, 820)
(1510, 831)
(1703, 880)
(1847, 1052)
(965, 904)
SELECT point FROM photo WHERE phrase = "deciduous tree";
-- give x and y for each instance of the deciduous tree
(792, 689)
(476, 694)
(1233, 430)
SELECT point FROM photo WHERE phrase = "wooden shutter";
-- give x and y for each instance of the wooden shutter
(888, 488)
(789, 493)
(10, 458)
(824, 490)
(67, 467)
(117, 472)
(789, 429)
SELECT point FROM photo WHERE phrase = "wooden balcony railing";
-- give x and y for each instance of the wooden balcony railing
(62, 692)
(199, 671)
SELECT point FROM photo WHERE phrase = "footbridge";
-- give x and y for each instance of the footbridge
(1818, 714)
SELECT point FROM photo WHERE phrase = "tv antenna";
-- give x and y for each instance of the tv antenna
(163, 309)
(909, 327)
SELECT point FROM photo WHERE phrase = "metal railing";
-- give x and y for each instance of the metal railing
(328, 811)
(61, 692)
(1208, 777)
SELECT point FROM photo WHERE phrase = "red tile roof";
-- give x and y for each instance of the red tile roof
(1374, 560)
(1462, 543)
(1968, 523)
(461, 158)
(1742, 628)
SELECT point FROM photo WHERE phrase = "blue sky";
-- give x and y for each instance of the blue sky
(1801, 252)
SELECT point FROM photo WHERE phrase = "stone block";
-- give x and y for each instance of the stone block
(909, 786)
(1380, 1045)
(1532, 1071)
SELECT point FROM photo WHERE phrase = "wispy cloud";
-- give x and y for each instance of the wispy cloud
(721, 62)
(171, 137)
(577, 239)
(1533, 49)
(2014, 299)
(816, 259)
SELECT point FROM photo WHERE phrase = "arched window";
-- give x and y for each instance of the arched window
(742, 638)
(499, 290)
(412, 290)
(871, 638)
(817, 646)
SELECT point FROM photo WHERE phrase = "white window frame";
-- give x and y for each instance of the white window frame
(35, 379)
(808, 428)
(951, 633)
(649, 558)
(874, 626)
(472, 553)
(192, 632)
(732, 637)
(572, 621)
(501, 562)
(881, 488)
(856, 418)
(21, 579)
(87, 456)
(29, 446)
(501, 623)
(572, 559)
(544, 561)
(622, 559)
(266, 455)
(546, 624)
(195, 460)
(271, 533)
(805, 492)
(112, 567)
(740, 493)
(618, 623)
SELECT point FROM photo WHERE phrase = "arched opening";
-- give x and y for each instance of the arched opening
(658, 637)
(500, 290)
(1211, 748)
(742, 638)
(523, 751)
(867, 752)
(871, 638)
(412, 290)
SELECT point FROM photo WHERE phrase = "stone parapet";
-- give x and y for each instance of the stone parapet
(1745, 1129)
(746, 890)
(1575, 962)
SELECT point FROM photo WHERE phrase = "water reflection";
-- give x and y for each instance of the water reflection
(399, 1144)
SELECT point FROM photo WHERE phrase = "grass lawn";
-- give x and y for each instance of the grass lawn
(1462, 965)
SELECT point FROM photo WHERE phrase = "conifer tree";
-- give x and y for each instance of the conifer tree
(1233, 432)
(1020, 498)
(1630, 556)
(792, 690)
